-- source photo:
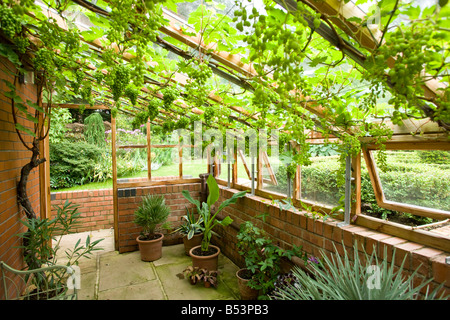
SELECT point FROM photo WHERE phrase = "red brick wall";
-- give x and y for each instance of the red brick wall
(129, 200)
(95, 206)
(288, 227)
(13, 156)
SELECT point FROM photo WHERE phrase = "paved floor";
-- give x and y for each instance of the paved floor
(109, 275)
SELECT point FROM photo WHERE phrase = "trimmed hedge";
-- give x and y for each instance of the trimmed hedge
(406, 180)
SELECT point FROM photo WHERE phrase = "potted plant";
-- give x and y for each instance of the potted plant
(191, 230)
(152, 212)
(206, 255)
(262, 261)
(194, 274)
(209, 278)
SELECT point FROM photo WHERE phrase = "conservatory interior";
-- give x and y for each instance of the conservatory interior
(303, 142)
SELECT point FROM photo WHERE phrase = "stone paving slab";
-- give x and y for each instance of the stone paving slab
(109, 275)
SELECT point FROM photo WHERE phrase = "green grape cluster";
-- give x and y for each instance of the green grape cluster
(9, 22)
(209, 115)
(139, 119)
(200, 73)
(43, 60)
(79, 77)
(119, 80)
(21, 43)
(414, 48)
(276, 43)
(98, 76)
(182, 123)
(153, 109)
(86, 92)
(170, 94)
(168, 126)
(196, 88)
(132, 93)
(283, 139)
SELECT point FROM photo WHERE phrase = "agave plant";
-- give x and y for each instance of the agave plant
(340, 278)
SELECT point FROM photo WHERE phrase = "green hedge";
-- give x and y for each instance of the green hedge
(72, 163)
(406, 180)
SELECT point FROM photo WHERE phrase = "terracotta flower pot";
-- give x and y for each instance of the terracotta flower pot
(151, 250)
(208, 262)
(196, 240)
(246, 292)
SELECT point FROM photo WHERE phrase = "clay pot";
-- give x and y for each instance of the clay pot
(246, 292)
(209, 262)
(196, 240)
(151, 250)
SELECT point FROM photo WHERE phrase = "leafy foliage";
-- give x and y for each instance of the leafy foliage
(205, 209)
(262, 257)
(152, 212)
(72, 163)
(94, 130)
(341, 277)
(41, 232)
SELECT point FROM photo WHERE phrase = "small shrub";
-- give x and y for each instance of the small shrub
(94, 130)
(72, 163)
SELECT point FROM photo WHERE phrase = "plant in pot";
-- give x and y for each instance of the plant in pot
(209, 278)
(206, 255)
(191, 230)
(149, 215)
(193, 274)
(262, 261)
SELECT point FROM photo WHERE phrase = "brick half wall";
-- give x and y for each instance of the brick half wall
(95, 206)
(129, 200)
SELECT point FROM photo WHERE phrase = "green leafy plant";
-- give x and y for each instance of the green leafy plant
(152, 212)
(209, 278)
(72, 163)
(94, 130)
(193, 274)
(36, 241)
(262, 257)
(196, 274)
(338, 277)
(205, 209)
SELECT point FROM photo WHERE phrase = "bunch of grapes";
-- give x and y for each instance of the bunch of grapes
(43, 60)
(9, 22)
(79, 77)
(98, 76)
(21, 43)
(209, 115)
(182, 123)
(86, 92)
(153, 109)
(196, 87)
(170, 94)
(168, 126)
(120, 77)
(139, 119)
